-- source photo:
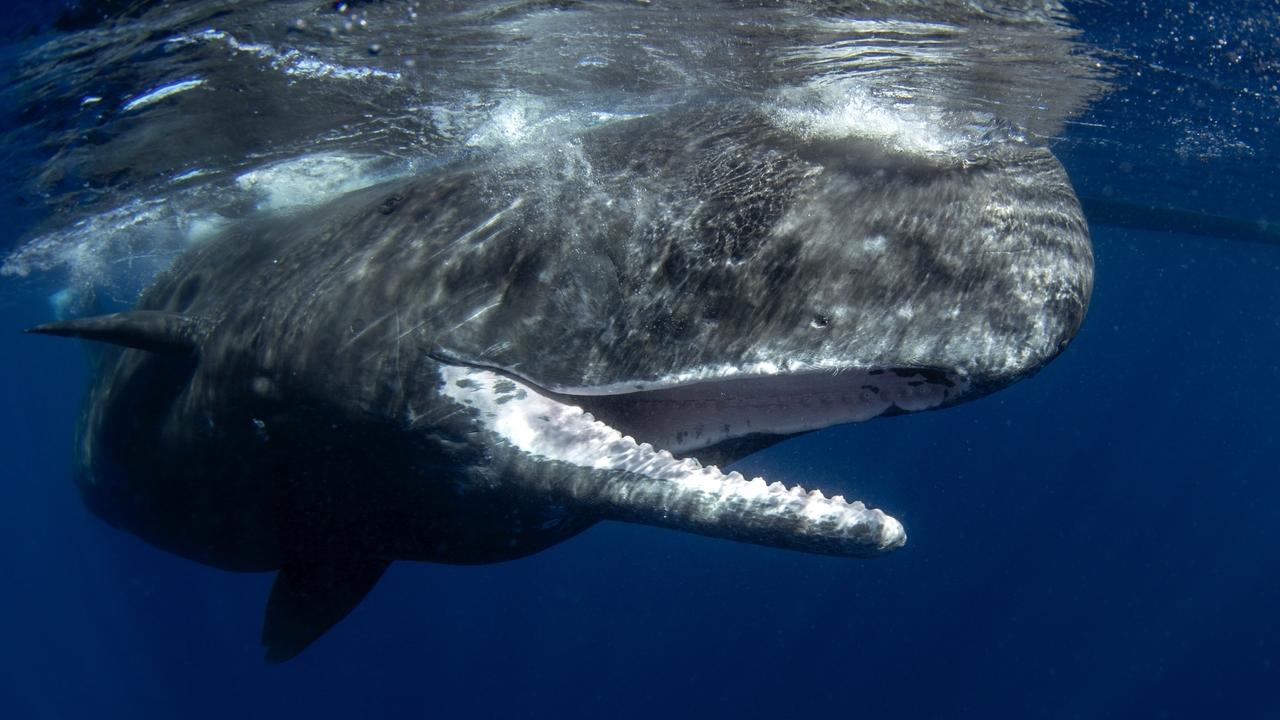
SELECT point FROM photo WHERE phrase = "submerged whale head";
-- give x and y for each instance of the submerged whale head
(684, 289)
(722, 283)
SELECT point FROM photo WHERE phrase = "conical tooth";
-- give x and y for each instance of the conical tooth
(817, 494)
(646, 447)
(757, 483)
(797, 490)
(665, 454)
(713, 468)
(839, 499)
(588, 417)
(777, 487)
(736, 476)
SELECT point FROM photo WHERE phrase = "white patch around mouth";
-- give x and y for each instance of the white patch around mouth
(630, 480)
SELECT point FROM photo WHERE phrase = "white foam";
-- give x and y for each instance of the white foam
(290, 61)
(310, 180)
(126, 246)
(829, 112)
(155, 95)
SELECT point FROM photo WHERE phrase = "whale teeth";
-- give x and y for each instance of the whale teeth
(665, 454)
(817, 494)
(757, 483)
(646, 447)
(797, 490)
(736, 476)
(839, 499)
(777, 487)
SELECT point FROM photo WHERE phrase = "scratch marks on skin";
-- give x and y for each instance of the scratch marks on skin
(496, 348)
(400, 332)
(402, 335)
(399, 337)
(481, 228)
(476, 314)
(415, 418)
(354, 338)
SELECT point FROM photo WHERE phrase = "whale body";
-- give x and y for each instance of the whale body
(482, 360)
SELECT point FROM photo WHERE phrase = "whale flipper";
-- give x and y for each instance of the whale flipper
(309, 598)
(151, 330)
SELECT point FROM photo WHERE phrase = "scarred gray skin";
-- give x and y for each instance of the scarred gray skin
(326, 400)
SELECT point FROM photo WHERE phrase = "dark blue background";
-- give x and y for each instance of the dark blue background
(1102, 541)
(1099, 541)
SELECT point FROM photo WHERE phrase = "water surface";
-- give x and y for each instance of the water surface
(1099, 541)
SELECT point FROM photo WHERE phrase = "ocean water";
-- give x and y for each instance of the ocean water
(1099, 541)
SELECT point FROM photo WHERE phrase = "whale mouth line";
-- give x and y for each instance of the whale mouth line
(685, 417)
(632, 454)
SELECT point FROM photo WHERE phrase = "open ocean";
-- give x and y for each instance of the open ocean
(1099, 541)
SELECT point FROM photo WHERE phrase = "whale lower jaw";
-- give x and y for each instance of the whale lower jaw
(595, 452)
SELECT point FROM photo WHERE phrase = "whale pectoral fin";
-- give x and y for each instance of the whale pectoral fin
(151, 330)
(309, 598)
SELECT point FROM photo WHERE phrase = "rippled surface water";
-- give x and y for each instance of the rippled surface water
(1100, 541)
(153, 131)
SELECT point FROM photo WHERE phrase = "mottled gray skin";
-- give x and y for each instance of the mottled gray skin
(302, 417)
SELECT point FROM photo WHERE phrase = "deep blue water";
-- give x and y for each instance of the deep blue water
(1101, 541)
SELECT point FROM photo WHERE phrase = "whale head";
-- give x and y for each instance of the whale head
(699, 285)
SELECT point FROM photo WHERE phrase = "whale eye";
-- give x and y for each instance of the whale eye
(819, 321)
(389, 205)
